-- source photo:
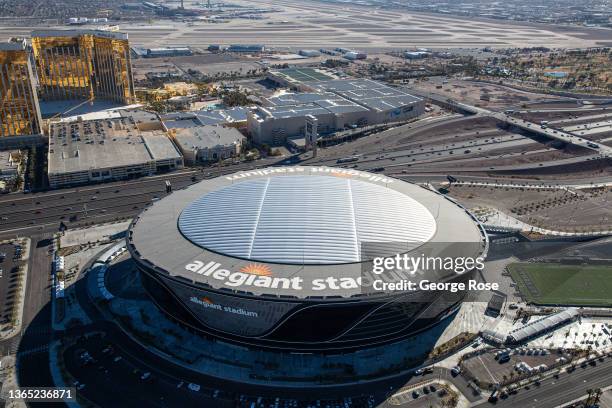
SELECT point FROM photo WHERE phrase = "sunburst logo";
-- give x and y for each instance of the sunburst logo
(257, 269)
(338, 174)
(206, 300)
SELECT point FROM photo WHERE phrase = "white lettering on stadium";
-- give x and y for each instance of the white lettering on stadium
(228, 309)
(234, 279)
(331, 170)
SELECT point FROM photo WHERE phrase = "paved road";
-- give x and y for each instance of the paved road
(36, 317)
(37, 213)
(553, 392)
(566, 137)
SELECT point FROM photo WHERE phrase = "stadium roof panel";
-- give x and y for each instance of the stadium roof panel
(303, 219)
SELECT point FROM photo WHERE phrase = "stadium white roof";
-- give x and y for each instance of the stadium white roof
(304, 219)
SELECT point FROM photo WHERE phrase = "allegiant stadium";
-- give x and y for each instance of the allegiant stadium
(276, 257)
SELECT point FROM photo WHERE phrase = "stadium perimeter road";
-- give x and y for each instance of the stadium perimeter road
(554, 392)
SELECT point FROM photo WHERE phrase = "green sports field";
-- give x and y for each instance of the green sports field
(557, 284)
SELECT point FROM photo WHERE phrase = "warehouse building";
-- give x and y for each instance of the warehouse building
(203, 144)
(337, 104)
(83, 65)
(284, 116)
(168, 52)
(107, 149)
(234, 117)
(294, 78)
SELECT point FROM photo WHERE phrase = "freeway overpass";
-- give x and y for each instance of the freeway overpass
(557, 134)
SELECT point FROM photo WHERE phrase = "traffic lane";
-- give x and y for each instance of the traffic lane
(32, 199)
(176, 176)
(51, 223)
(128, 203)
(118, 383)
(63, 212)
(21, 204)
(32, 207)
(472, 148)
(39, 282)
(556, 391)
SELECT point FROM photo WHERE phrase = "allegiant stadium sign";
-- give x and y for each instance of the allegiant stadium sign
(260, 276)
(332, 171)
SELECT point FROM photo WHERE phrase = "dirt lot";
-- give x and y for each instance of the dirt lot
(550, 209)
(480, 94)
(208, 64)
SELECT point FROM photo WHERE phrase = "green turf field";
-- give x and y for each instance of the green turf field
(556, 284)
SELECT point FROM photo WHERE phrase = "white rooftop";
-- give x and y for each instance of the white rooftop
(304, 219)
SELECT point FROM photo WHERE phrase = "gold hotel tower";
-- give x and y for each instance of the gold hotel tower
(83, 64)
(19, 110)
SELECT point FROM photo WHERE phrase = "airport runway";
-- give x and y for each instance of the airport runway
(311, 24)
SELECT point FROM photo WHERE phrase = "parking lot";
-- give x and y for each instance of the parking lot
(10, 281)
(487, 368)
(427, 394)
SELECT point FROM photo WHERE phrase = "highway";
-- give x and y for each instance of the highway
(560, 135)
(36, 213)
(39, 213)
(557, 134)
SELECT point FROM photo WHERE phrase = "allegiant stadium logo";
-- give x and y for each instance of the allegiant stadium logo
(257, 269)
(333, 171)
(202, 301)
(254, 274)
(209, 304)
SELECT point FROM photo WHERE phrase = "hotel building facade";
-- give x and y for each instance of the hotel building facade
(20, 121)
(83, 64)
